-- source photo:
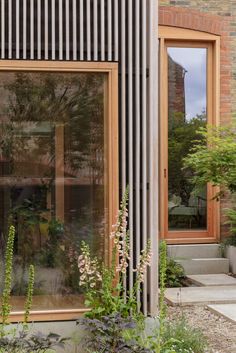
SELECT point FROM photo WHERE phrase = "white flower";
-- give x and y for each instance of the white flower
(88, 268)
(144, 262)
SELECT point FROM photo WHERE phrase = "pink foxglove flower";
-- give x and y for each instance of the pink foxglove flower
(120, 236)
(144, 262)
(88, 268)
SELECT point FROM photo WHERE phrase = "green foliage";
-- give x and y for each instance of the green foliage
(6, 307)
(162, 275)
(162, 304)
(16, 340)
(29, 296)
(213, 158)
(231, 221)
(111, 334)
(174, 274)
(27, 218)
(51, 255)
(229, 241)
(182, 338)
(109, 326)
(154, 342)
(118, 332)
(6, 296)
(104, 284)
(34, 343)
(113, 311)
(36, 105)
(49, 98)
(181, 137)
(176, 336)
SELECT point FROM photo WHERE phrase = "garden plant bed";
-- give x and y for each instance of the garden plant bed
(221, 334)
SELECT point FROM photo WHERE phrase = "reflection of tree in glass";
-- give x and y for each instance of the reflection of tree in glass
(35, 105)
(181, 139)
(74, 100)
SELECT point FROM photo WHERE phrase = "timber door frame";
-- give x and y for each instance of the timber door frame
(178, 37)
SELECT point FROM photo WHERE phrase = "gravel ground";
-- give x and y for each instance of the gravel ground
(221, 333)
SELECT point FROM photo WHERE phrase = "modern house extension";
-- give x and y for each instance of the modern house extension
(97, 95)
(78, 124)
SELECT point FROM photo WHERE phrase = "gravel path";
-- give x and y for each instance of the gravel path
(221, 334)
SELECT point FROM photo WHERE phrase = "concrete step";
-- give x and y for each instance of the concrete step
(228, 311)
(219, 279)
(201, 295)
(200, 266)
(195, 251)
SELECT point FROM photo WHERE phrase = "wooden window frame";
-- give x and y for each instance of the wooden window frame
(179, 37)
(111, 130)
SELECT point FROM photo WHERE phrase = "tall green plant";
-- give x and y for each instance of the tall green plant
(6, 307)
(12, 341)
(6, 296)
(104, 284)
(162, 281)
(162, 274)
(29, 295)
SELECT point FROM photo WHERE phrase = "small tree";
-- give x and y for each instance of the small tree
(213, 158)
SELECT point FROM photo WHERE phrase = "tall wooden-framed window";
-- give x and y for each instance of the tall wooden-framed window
(189, 99)
(58, 175)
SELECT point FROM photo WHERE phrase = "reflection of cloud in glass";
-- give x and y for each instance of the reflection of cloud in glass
(193, 60)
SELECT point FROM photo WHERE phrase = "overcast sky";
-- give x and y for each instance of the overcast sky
(194, 61)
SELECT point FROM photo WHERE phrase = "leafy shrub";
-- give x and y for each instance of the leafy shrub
(231, 221)
(107, 335)
(231, 241)
(213, 158)
(33, 343)
(172, 271)
(183, 338)
(174, 274)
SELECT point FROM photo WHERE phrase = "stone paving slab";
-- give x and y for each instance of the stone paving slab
(228, 311)
(212, 280)
(201, 295)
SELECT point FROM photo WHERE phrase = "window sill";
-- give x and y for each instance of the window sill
(48, 315)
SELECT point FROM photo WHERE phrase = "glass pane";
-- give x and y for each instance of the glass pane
(52, 179)
(187, 106)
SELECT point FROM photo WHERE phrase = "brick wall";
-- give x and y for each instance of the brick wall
(216, 17)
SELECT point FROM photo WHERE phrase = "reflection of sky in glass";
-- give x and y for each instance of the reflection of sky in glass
(193, 60)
